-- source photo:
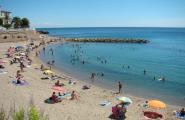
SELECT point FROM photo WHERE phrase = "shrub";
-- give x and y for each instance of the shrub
(19, 115)
(33, 114)
(2, 114)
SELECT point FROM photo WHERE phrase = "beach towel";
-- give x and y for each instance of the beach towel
(152, 115)
(180, 117)
(49, 101)
(105, 103)
(65, 95)
(58, 89)
(3, 72)
(28, 66)
(23, 83)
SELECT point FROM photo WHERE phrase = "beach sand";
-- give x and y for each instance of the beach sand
(86, 108)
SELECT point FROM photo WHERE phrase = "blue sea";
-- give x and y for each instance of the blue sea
(164, 56)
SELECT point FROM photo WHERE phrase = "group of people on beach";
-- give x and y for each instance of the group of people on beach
(57, 98)
(119, 110)
(21, 58)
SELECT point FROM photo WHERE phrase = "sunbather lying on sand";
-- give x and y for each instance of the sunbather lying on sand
(58, 83)
(85, 87)
(2, 67)
(54, 77)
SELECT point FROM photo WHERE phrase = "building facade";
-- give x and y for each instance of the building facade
(5, 16)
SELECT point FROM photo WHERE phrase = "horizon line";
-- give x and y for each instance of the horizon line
(109, 27)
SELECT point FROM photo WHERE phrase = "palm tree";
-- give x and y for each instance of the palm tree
(16, 22)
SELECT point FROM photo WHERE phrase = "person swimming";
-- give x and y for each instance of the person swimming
(144, 72)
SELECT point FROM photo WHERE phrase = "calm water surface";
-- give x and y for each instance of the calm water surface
(163, 56)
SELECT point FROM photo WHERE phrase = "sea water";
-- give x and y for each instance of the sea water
(164, 56)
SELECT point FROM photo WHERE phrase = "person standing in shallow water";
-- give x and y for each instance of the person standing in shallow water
(144, 72)
(93, 77)
(44, 49)
(119, 87)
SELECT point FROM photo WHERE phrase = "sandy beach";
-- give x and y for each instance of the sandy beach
(85, 108)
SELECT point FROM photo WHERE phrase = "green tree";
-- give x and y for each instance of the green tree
(1, 22)
(16, 22)
(25, 23)
(7, 26)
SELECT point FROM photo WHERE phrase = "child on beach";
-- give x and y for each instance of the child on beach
(74, 96)
(19, 76)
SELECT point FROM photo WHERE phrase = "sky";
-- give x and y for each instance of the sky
(99, 13)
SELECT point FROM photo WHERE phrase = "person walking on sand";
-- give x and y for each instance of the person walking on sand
(22, 66)
(119, 87)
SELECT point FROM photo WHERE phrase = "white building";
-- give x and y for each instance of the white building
(6, 17)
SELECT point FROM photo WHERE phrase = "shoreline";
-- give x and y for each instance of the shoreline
(91, 98)
(95, 84)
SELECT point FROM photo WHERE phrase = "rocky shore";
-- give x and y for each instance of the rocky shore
(107, 40)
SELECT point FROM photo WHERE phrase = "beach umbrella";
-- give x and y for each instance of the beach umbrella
(156, 104)
(58, 89)
(124, 99)
(48, 72)
(19, 47)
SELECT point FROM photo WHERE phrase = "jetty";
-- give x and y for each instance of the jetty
(108, 40)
